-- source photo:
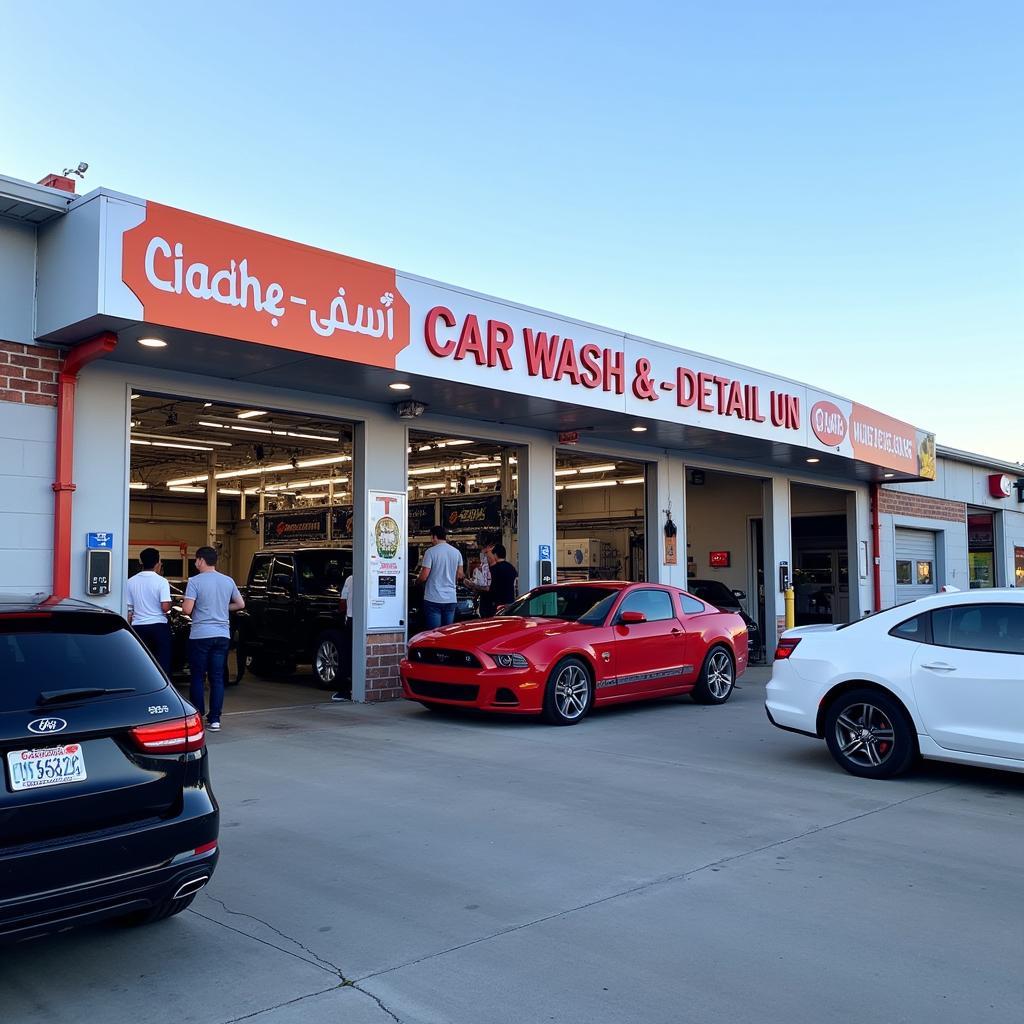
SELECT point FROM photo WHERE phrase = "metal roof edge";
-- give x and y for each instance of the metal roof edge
(42, 197)
(973, 459)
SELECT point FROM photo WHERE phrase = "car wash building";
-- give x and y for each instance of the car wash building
(170, 380)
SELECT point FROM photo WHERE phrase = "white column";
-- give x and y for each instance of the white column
(778, 547)
(379, 462)
(211, 501)
(536, 508)
(666, 491)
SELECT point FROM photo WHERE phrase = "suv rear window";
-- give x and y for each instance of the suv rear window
(64, 650)
(323, 572)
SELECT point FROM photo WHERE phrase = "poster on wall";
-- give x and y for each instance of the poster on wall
(385, 582)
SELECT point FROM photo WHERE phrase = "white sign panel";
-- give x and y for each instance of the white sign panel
(386, 574)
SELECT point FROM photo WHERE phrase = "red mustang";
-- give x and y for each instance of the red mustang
(561, 649)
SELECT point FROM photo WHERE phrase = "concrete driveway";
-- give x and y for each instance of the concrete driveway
(656, 864)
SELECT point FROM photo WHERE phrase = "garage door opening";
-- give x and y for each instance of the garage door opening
(821, 554)
(601, 518)
(471, 487)
(725, 546)
(271, 492)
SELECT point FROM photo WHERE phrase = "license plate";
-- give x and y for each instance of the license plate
(47, 766)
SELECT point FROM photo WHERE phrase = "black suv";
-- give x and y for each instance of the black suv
(293, 612)
(106, 808)
(717, 593)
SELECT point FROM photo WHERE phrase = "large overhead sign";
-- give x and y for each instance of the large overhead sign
(202, 275)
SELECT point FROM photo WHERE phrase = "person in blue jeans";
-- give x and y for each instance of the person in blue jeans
(442, 570)
(210, 597)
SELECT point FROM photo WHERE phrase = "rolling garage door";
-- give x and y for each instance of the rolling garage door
(916, 570)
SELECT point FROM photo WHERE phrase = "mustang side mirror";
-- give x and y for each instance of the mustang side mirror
(632, 618)
(739, 595)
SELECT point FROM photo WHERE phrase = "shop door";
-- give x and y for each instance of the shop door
(915, 565)
(815, 583)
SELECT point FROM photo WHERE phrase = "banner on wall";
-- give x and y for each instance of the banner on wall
(301, 527)
(421, 517)
(341, 522)
(385, 570)
(470, 514)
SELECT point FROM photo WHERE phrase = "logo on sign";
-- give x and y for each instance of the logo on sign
(829, 424)
(44, 726)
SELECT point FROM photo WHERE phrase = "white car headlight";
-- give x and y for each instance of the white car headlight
(510, 661)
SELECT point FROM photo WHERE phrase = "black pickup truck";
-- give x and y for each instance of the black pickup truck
(293, 614)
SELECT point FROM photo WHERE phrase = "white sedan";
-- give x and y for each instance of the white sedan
(941, 677)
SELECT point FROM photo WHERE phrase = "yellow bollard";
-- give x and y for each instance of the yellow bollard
(790, 607)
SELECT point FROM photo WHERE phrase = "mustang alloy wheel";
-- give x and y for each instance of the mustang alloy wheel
(569, 693)
(868, 734)
(717, 678)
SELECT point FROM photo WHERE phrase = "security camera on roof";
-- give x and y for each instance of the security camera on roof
(410, 410)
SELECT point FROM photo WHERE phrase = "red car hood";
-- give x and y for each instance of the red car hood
(505, 633)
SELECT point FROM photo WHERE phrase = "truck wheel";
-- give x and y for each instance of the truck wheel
(328, 659)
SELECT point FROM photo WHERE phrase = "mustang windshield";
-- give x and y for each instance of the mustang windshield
(573, 604)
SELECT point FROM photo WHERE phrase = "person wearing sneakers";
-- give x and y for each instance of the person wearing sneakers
(346, 654)
(210, 597)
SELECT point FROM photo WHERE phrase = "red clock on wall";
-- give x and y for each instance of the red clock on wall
(719, 560)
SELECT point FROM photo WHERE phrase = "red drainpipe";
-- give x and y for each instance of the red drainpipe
(64, 487)
(876, 536)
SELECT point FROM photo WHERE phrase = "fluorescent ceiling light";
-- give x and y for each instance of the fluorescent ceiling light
(251, 414)
(425, 447)
(153, 342)
(135, 396)
(565, 472)
(325, 460)
(452, 444)
(280, 467)
(606, 468)
(188, 490)
(182, 440)
(587, 484)
(424, 485)
(484, 465)
(228, 490)
(485, 480)
(632, 480)
(138, 485)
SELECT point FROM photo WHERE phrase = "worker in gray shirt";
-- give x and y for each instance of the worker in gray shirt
(442, 570)
(210, 597)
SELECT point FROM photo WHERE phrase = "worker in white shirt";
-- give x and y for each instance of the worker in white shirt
(149, 601)
(346, 652)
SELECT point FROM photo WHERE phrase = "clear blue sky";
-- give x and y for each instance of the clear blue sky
(832, 191)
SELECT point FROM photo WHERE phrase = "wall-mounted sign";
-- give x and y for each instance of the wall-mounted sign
(341, 522)
(470, 514)
(185, 271)
(385, 570)
(1000, 485)
(99, 541)
(719, 560)
(569, 437)
(544, 552)
(295, 527)
(422, 517)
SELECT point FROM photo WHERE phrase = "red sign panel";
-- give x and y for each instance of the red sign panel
(719, 560)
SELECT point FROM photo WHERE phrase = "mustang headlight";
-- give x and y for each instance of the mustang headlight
(510, 661)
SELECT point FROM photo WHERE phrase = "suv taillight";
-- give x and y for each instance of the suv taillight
(787, 645)
(178, 736)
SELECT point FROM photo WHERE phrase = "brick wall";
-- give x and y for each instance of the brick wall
(383, 653)
(28, 374)
(900, 503)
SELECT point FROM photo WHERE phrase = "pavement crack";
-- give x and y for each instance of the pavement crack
(654, 882)
(317, 960)
(278, 1006)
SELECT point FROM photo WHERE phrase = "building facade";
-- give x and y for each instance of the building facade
(168, 379)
